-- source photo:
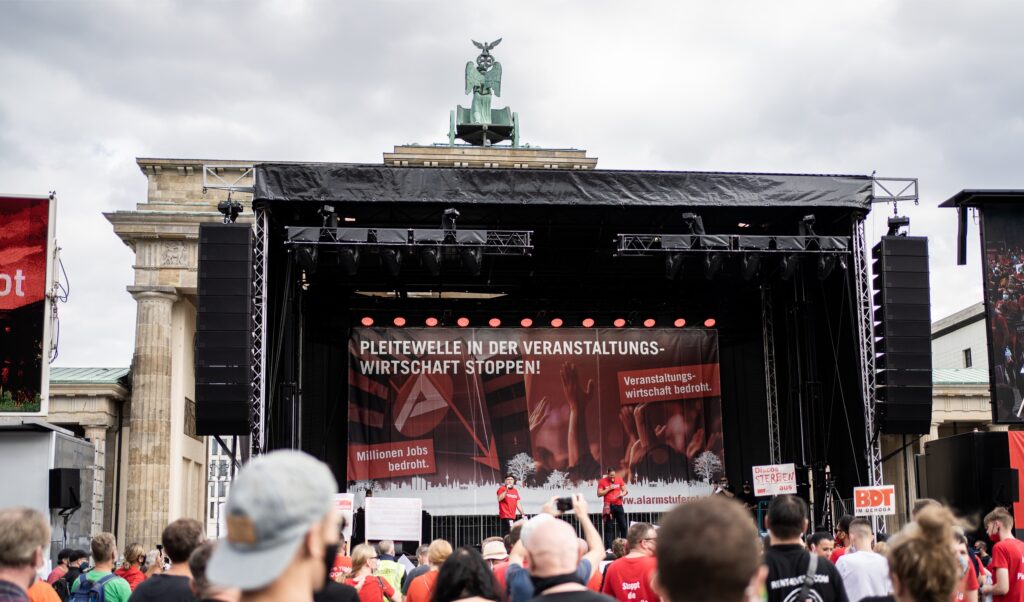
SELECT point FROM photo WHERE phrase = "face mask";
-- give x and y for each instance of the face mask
(963, 564)
(994, 537)
(330, 553)
(540, 584)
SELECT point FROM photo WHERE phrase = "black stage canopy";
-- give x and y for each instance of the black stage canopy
(333, 182)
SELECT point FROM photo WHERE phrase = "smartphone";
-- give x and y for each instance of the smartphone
(563, 504)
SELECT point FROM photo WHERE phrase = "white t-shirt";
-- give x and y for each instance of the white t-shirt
(864, 574)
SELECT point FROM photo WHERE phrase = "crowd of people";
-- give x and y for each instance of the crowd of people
(284, 543)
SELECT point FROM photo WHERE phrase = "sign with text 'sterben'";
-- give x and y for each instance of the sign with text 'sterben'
(774, 479)
(874, 501)
(26, 246)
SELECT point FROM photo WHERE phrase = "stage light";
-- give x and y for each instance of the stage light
(751, 263)
(391, 259)
(712, 264)
(679, 323)
(307, 258)
(494, 322)
(471, 259)
(619, 322)
(588, 322)
(673, 265)
(526, 322)
(788, 266)
(649, 323)
(709, 323)
(556, 322)
(348, 257)
(350, 219)
(398, 321)
(431, 258)
(743, 225)
(896, 225)
(826, 263)
(366, 321)
(431, 322)
(462, 322)
(693, 223)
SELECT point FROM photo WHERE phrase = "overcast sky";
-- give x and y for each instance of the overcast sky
(933, 90)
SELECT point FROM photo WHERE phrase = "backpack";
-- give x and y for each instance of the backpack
(63, 589)
(90, 591)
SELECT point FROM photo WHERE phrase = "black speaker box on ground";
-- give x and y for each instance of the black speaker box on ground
(903, 330)
(65, 488)
(223, 347)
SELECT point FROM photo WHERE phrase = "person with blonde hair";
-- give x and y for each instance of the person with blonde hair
(101, 580)
(131, 569)
(1007, 554)
(371, 586)
(422, 588)
(922, 565)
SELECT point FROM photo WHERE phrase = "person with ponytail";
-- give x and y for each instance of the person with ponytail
(922, 564)
(1007, 555)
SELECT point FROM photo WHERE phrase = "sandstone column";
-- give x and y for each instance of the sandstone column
(149, 452)
(97, 435)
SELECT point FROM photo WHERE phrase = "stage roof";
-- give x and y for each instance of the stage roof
(974, 197)
(333, 182)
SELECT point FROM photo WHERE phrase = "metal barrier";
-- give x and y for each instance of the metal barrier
(470, 530)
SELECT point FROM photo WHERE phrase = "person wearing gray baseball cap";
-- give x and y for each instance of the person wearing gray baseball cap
(282, 529)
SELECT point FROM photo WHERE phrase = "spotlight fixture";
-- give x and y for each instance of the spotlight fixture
(673, 265)
(366, 321)
(471, 259)
(588, 322)
(308, 258)
(649, 323)
(431, 321)
(788, 265)
(751, 263)
(494, 322)
(619, 322)
(694, 223)
(526, 322)
(462, 322)
(448, 218)
(230, 209)
(896, 223)
(826, 263)
(348, 257)
(806, 227)
(398, 321)
(430, 255)
(556, 322)
(679, 323)
(709, 323)
(391, 260)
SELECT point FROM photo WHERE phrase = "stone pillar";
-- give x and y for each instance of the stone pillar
(97, 435)
(149, 450)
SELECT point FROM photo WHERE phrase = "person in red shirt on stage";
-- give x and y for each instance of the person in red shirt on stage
(1006, 566)
(628, 579)
(508, 504)
(612, 488)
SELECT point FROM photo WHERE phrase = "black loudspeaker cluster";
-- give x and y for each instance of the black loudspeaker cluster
(223, 330)
(903, 335)
(65, 488)
(971, 472)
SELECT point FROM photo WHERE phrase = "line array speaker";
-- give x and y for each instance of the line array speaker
(223, 330)
(903, 334)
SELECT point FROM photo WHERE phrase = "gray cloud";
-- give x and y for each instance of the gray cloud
(911, 88)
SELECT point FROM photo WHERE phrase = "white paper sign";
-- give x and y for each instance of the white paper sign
(774, 479)
(345, 503)
(395, 518)
(874, 501)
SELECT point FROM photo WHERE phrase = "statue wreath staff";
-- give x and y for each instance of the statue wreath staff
(483, 78)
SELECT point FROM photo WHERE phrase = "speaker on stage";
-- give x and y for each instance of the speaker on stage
(971, 472)
(65, 488)
(903, 335)
(223, 361)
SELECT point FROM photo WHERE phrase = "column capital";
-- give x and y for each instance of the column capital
(166, 293)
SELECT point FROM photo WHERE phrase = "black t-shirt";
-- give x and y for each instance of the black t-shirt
(878, 599)
(164, 588)
(336, 592)
(583, 595)
(787, 566)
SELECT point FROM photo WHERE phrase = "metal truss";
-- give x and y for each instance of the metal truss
(770, 378)
(894, 190)
(641, 245)
(257, 399)
(866, 338)
(214, 180)
(492, 242)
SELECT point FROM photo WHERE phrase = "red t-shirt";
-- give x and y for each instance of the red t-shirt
(1008, 554)
(132, 575)
(507, 507)
(374, 588)
(613, 497)
(629, 579)
(499, 574)
(422, 588)
(341, 568)
(968, 583)
(836, 553)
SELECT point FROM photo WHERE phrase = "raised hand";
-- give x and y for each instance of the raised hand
(539, 414)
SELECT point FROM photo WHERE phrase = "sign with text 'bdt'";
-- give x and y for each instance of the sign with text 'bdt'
(874, 501)
(774, 479)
